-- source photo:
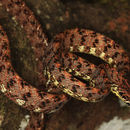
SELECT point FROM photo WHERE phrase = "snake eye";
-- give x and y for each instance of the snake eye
(121, 93)
(123, 96)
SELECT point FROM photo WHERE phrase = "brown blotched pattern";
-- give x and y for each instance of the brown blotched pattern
(19, 90)
(80, 78)
(64, 70)
(37, 39)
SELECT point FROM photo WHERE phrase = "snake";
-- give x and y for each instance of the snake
(69, 71)
(62, 66)
(11, 84)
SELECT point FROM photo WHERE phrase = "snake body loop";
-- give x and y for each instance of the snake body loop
(61, 69)
(11, 84)
(67, 70)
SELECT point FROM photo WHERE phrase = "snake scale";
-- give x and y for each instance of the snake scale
(62, 66)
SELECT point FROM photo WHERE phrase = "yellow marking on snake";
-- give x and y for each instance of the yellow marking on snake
(84, 99)
(110, 60)
(102, 55)
(49, 77)
(68, 91)
(85, 77)
(37, 109)
(20, 102)
(3, 89)
(92, 51)
(81, 48)
(114, 66)
(71, 48)
(56, 83)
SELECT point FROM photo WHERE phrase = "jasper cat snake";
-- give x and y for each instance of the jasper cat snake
(64, 69)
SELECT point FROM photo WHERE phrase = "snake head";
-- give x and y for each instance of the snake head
(122, 91)
(119, 85)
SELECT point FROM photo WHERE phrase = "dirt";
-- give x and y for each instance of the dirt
(109, 17)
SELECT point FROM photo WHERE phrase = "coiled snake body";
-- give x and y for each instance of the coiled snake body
(102, 78)
(64, 66)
